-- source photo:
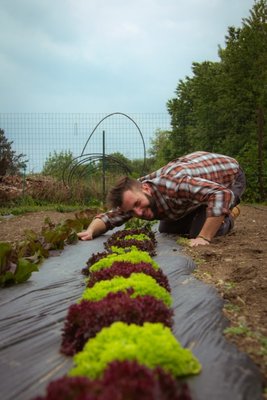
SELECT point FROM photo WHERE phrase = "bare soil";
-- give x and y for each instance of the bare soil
(235, 264)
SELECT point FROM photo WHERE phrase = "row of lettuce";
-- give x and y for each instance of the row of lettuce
(119, 332)
(20, 259)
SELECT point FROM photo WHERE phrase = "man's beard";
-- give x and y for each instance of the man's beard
(152, 205)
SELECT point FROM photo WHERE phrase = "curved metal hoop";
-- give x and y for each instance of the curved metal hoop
(110, 115)
(76, 166)
(89, 159)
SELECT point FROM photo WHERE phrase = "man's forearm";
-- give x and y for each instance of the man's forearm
(208, 231)
(210, 227)
(96, 228)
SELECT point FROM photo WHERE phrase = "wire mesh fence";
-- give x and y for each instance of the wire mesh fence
(87, 135)
(37, 135)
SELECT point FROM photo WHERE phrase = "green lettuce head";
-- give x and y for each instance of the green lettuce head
(152, 345)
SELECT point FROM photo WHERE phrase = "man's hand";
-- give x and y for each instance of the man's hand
(85, 235)
(208, 231)
(198, 242)
(96, 228)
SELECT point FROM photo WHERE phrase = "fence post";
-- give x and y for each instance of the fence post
(24, 181)
(104, 170)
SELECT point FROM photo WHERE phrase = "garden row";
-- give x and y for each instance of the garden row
(18, 260)
(119, 332)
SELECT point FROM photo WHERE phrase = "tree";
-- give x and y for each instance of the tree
(57, 163)
(245, 59)
(195, 115)
(223, 106)
(180, 108)
(116, 163)
(10, 162)
(161, 148)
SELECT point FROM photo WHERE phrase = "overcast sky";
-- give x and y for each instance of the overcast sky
(106, 55)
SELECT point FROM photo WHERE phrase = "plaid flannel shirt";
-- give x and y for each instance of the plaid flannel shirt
(200, 178)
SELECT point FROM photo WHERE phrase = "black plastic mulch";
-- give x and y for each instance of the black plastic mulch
(32, 315)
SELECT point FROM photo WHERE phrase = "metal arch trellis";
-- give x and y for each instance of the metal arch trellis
(90, 158)
(110, 115)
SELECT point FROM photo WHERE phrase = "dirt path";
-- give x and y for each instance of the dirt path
(237, 266)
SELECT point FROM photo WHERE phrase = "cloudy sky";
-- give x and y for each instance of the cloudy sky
(106, 55)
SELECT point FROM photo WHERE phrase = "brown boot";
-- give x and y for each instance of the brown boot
(235, 212)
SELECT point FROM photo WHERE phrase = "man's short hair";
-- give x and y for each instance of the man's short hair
(114, 197)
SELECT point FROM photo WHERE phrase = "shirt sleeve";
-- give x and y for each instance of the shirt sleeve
(114, 218)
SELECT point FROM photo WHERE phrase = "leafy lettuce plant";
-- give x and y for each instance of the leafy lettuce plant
(86, 319)
(121, 380)
(133, 243)
(133, 256)
(130, 380)
(142, 232)
(13, 267)
(141, 283)
(152, 345)
(125, 269)
(95, 257)
(66, 388)
(137, 223)
(18, 261)
(141, 239)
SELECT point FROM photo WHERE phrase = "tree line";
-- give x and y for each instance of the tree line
(222, 106)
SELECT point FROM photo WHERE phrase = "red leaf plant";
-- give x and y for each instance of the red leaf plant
(86, 319)
(122, 239)
(125, 269)
(121, 380)
(93, 259)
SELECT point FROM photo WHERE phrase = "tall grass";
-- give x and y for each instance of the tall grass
(19, 195)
